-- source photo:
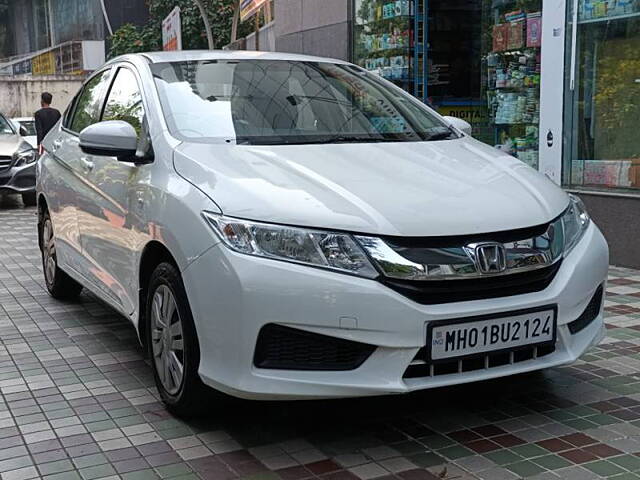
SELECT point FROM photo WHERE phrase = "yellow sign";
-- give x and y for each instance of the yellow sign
(43, 64)
(248, 8)
(470, 113)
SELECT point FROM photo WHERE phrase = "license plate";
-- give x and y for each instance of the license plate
(475, 335)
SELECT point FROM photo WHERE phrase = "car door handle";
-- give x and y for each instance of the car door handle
(56, 145)
(88, 164)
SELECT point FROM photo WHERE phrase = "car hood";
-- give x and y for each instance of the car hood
(451, 187)
(31, 140)
(9, 144)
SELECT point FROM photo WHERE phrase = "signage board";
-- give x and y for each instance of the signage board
(172, 31)
(43, 64)
(471, 113)
(248, 8)
(22, 68)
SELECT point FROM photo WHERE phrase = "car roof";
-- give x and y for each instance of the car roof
(199, 55)
(23, 119)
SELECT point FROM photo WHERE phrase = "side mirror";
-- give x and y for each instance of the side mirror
(462, 125)
(23, 131)
(112, 138)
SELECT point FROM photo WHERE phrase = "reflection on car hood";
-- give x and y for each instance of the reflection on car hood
(450, 187)
(31, 140)
(9, 144)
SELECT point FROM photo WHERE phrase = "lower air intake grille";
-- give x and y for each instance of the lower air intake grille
(590, 313)
(421, 368)
(285, 348)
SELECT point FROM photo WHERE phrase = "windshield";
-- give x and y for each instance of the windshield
(5, 127)
(276, 102)
(29, 125)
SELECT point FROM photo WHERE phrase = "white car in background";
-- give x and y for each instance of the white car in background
(29, 132)
(280, 226)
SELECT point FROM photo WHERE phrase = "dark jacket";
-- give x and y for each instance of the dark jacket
(45, 119)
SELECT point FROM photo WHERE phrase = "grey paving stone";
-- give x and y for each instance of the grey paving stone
(77, 402)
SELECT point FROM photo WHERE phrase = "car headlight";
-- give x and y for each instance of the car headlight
(25, 157)
(574, 223)
(325, 249)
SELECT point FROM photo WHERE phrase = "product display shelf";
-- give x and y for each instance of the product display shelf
(513, 77)
(390, 41)
(515, 124)
(384, 23)
(609, 18)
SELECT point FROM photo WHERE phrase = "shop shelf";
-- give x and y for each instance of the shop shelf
(607, 19)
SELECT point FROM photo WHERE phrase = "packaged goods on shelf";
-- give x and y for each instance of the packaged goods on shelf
(516, 35)
(607, 8)
(534, 30)
(500, 37)
(514, 16)
(388, 10)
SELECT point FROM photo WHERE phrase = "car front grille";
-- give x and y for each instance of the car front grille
(5, 162)
(448, 291)
(420, 367)
(285, 348)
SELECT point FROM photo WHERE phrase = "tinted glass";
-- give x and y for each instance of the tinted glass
(30, 126)
(124, 101)
(5, 127)
(267, 102)
(87, 108)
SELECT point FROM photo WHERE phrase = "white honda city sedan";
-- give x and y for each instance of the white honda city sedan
(288, 227)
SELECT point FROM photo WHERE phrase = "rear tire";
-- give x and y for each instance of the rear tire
(29, 199)
(59, 284)
(172, 343)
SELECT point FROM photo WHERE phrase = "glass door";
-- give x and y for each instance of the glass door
(456, 45)
(603, 101)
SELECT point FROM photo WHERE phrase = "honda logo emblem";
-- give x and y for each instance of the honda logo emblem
(489, 257)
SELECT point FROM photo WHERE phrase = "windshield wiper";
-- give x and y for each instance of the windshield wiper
(350, 139)
(441, 133)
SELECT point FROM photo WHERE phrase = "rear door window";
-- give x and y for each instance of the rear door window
(88, 106)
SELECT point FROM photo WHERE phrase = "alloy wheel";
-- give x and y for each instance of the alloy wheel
(167, 340)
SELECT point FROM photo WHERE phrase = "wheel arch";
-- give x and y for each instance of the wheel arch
(43, 206)
(153, 254)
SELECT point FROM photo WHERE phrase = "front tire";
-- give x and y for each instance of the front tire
(60, 285)
(172, 342)
(29, 199)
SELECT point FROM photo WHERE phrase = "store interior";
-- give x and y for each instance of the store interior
(480, 58)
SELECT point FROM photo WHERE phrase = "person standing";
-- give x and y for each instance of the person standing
(45, 118)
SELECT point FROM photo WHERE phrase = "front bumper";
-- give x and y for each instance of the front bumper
(18, 179)
(233, 296)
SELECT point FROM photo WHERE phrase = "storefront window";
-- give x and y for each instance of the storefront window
(512, 81)
(603, 108)
(387, 43)
(76, 19)
(478, 60)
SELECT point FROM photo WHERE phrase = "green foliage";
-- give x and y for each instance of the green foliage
(127, 39)
(131, 39)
